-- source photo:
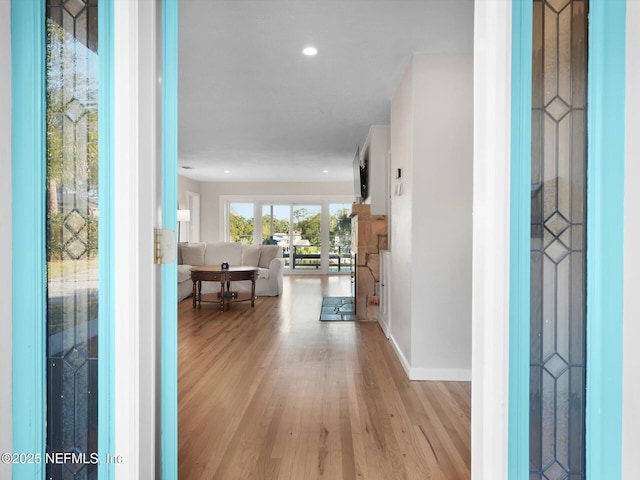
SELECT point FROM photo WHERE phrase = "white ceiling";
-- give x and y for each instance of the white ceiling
(252, 104)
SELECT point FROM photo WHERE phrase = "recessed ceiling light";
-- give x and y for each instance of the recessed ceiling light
(325, 171)
(226, 171)
(310, 51)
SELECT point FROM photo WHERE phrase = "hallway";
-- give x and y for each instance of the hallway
(273, 393)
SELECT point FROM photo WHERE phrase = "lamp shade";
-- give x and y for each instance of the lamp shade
(184, 215)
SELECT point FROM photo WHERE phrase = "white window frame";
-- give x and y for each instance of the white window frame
(260, 200)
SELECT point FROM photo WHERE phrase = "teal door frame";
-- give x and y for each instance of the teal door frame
(605, 234)
(605, 207)
(28, 234)
(169, 330)
(520, 239)
(29, 394)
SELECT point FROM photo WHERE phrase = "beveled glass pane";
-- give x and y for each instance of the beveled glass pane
(562, 419)
(548, 307)
(536, 310)
(72, 238)
(564, 54)
(576, 420)
(535, 428)
(564, 166)
(578, 165)
(578, 54)
(577, 327)
(537, 86)
(558, 219)
(563, 302)
(550, 49)
(558, 5)
(549, 166)
(537, 144)
(548, 437)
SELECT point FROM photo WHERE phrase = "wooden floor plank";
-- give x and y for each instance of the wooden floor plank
(272, 393)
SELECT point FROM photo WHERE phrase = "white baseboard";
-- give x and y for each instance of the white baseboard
(441, 374)
(403, 360)
(437, 374)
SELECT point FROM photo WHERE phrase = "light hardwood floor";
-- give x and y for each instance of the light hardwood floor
(273, 393)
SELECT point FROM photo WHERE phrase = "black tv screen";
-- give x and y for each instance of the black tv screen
(360, 176)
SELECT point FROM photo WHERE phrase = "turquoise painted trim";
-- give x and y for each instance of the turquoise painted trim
(169, 400)
(520, 239)
(106, 241)
(605, 225)
(28, 243)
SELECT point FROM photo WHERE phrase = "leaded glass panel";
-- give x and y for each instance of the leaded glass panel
(558, 243)
(72, 237)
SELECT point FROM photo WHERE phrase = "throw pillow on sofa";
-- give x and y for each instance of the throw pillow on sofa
(267, 253)
(219, 252)
(250, 255)
(193, 253)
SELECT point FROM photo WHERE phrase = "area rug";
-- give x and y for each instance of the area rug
(337, 309)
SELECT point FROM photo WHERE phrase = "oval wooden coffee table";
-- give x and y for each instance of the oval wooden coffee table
(225, 277)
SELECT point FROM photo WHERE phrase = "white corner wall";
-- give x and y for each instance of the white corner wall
(5, 234)
(376, 146)
(442, 219)
(431, 221)
(186, 185)
(401, 218)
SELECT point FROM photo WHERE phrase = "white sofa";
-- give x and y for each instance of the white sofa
(268, 259)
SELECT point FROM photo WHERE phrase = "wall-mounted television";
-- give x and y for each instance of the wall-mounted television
(360, 175)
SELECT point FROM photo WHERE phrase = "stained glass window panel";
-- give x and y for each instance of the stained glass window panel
(558, 243)
(72, 236)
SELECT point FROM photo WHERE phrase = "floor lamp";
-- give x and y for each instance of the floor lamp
(183, 216)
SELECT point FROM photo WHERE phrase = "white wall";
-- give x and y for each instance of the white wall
(186, 229)
(631, 332)
(186, 185)
(376, 147)
(431, 223)
(401, 217)
(5, 233)
(442, 222)
(210, 198)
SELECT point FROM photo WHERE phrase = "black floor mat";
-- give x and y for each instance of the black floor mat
(335, 309)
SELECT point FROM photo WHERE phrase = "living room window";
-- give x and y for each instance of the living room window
(240, 225)
(276, 227)
(315, 235)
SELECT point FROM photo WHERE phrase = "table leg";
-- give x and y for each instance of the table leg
(193, 294)
(253, 291)
(222, 296)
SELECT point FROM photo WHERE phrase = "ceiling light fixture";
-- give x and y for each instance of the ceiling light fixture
(226, 171)
(310, 51)
(325, 171)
